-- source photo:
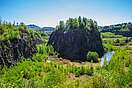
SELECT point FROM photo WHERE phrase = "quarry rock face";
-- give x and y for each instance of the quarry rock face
(13, 50)
(74, 44)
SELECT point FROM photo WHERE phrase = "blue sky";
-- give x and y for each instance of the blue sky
(49, 12)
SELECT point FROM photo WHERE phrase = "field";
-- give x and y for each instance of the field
(46, 70)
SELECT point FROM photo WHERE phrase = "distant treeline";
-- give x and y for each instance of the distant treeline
(124, 29)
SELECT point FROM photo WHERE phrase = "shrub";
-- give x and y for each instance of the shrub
(50, 50)
(40, 57)
(92, 56)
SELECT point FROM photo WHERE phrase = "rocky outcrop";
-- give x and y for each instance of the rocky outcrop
(17, 48)
(74, 38)
(74, 44)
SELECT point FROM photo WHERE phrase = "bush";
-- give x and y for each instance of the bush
(50, 50)
(92, 56)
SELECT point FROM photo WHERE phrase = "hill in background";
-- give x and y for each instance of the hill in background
(43, 29)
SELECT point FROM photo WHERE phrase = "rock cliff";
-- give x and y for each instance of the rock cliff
(13, 48)
(75, 42)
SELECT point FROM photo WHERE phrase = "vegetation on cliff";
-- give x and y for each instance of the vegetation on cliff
(76, 37)
(16, 42)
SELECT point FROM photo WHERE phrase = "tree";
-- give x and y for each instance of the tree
(75, 23)
(0, 21)
(62, 25)
(81, 23)
(92, 56)
(22, 26)
(71, 22)
(79, 20)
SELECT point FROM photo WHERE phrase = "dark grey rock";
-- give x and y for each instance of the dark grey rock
(74, 44)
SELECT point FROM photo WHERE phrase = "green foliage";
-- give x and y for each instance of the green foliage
(43, 52)
(42, 73)
(22, 26)
(110, 35)
(36, 74)
(77, 23)
(17, 42)
(50, 50)
(8, 31)
(116, 71)
(111, 38)
(124, 29)
(42, 49)
(109, 47)
(102, 82)
(92, 56)
(62, 25)
(53, 78)
(40, 57)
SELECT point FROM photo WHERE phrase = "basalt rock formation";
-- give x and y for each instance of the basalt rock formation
(74, 42)
(16, 48)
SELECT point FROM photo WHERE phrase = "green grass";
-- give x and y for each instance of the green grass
(111, 38)
(36, 74)
(58, 74)
(110, 35)
(39, 72)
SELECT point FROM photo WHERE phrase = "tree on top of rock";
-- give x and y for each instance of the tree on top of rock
(77, 23)
(75, 37)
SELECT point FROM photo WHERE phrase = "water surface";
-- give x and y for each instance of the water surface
(108, 56)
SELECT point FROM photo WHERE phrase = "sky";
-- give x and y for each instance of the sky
(50, 12)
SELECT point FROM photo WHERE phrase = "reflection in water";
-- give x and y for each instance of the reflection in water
(108, 56)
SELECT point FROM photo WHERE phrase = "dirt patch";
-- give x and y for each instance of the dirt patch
(71, 76)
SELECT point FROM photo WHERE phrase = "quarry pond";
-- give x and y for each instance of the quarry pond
(108, 55)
